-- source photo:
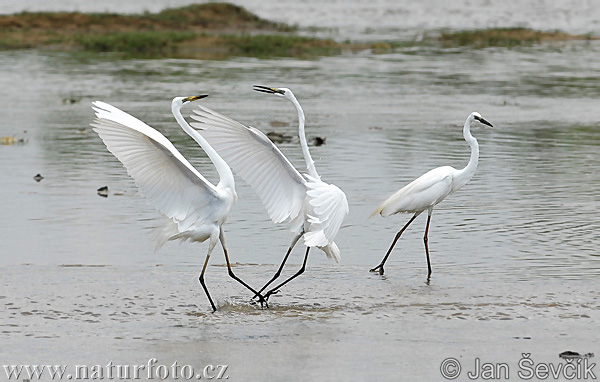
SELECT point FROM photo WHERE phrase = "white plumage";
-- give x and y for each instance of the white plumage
(329, 208)
(422, 193)
(429, 189)
(314, 209)
(306, 203)
(169, 182)
(195, 208)
(257, 160)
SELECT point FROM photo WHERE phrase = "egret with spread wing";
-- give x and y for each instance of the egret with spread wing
(195, 208)
(429, 189)
(314, 209)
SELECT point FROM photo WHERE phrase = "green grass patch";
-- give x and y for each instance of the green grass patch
(135, 44)
(219, 31)
(504, 37)
(263, 46)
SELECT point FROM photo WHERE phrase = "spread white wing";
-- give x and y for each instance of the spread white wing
(257, 160)
(170, 183)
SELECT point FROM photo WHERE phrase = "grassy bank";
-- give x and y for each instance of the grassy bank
(214, 30)
(505, 37)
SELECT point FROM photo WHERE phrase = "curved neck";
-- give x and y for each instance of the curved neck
(464, 175)
(225, 174)
(310, 164)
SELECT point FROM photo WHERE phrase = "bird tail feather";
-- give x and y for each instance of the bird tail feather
(167, 231)
(377, 211)
(332, 251)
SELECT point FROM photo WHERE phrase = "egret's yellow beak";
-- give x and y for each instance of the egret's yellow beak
(195, 98)
(266, 89)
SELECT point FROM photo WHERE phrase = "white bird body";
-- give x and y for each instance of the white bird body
(421, 194)
(163, 175)
(306, 203)
(429, 189)
(195, 208)
(313, 209)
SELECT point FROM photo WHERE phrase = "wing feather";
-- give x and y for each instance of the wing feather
(420, 194)
(257, 160)
(329, 208)
(169, 182)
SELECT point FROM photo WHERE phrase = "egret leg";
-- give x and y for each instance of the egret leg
(380, 266)
(426, 240)
(261, 299)
(201, 279)
(278, 273)
(300, 271)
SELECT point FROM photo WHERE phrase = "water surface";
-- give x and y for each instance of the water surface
(514, 253)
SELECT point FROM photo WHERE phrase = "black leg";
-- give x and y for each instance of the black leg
(425, 240)
(379, 268)
(300, 271)
(261, 299)
(201, 279)
(278, 273)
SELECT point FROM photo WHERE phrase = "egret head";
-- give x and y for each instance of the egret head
(281, 92)
(477, 117)
(178, 102)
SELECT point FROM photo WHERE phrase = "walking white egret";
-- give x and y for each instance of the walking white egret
(196, 208)
(314, 209)
(429, 189)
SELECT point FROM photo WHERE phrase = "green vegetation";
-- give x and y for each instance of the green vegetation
(135, 44)
(148, 44)
(281, 46)
(217, 31)
(196, 31)
(504, 37)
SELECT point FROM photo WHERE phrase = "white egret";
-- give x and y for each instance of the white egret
(314, 209)
(429, 189)
(195, 208)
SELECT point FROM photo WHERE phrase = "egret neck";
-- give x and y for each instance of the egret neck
(310, 164)
(463, 176)
(225, 175)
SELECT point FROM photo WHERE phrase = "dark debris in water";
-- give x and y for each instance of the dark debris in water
(574, 355)
(71, 100)
(103, 191)
(38, 178)
(318, 141)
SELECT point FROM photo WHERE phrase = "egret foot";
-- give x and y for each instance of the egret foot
(269, 293)
(262, 301)
(378, 268)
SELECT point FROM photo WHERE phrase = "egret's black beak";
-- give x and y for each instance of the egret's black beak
(266, 89)
(483, 121)
(194, 98)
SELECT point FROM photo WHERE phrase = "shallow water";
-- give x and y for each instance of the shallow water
(514, 253)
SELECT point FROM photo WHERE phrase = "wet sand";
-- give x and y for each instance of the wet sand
(335, 322)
